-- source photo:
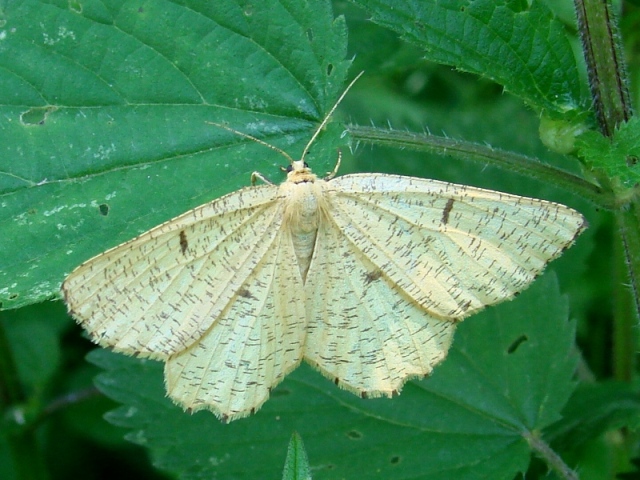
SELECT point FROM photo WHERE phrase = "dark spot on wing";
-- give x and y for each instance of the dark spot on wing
(372, 276)
(516, 343)
(184, 244)
(447, 211)
(244, 293)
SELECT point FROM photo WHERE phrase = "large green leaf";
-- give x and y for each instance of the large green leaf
(509, 372)
(105, 108)
(517, 44)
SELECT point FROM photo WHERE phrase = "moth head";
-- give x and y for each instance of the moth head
(298, 172)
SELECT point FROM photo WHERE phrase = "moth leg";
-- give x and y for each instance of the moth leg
(334, 172)
(255, 176)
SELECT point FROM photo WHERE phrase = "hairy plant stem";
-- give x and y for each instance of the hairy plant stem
(605, 65)
(607, 79)
(551, 458)
(514, 162)
(627, 296)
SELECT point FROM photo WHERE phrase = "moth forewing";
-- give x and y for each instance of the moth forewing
(454, 249)
(155, 295)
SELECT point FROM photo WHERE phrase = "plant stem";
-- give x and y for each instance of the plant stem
(605, 65)
(627, 296)
(551, 458)
(514, 162)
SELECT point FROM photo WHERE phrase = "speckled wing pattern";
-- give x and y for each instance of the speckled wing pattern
(400, 259)
(364, 332)
(157, 294)
(253, 344)
(453, 249)
(218, 294)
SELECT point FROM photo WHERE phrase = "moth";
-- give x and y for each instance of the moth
(363, 276)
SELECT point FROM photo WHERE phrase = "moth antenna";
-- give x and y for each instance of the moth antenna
(328, 116)
(257, 140)
(313, 138)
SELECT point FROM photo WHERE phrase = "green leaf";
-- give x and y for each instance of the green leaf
(617, 157)
(8, 469)
(296, 466)
(509, 371)
(34, 337)
(594, 409)
(105, 108)
(519, 45)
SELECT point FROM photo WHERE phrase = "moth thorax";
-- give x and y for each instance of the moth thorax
(303, 211)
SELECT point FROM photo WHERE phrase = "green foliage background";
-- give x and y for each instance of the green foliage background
(103, 133)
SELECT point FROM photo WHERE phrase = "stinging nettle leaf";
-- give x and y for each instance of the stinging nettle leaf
(526, 51)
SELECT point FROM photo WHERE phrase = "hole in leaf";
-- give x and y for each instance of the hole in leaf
(281, 392)
(104, 209)
(518, 341)
(632, 160)
(75, 6)
(36, 115)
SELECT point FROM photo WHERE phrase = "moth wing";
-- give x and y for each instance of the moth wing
(257, 340)
(364, 331)
(155, 295)
(452, 248)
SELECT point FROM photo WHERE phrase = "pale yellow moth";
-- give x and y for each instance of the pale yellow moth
(363, 276)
